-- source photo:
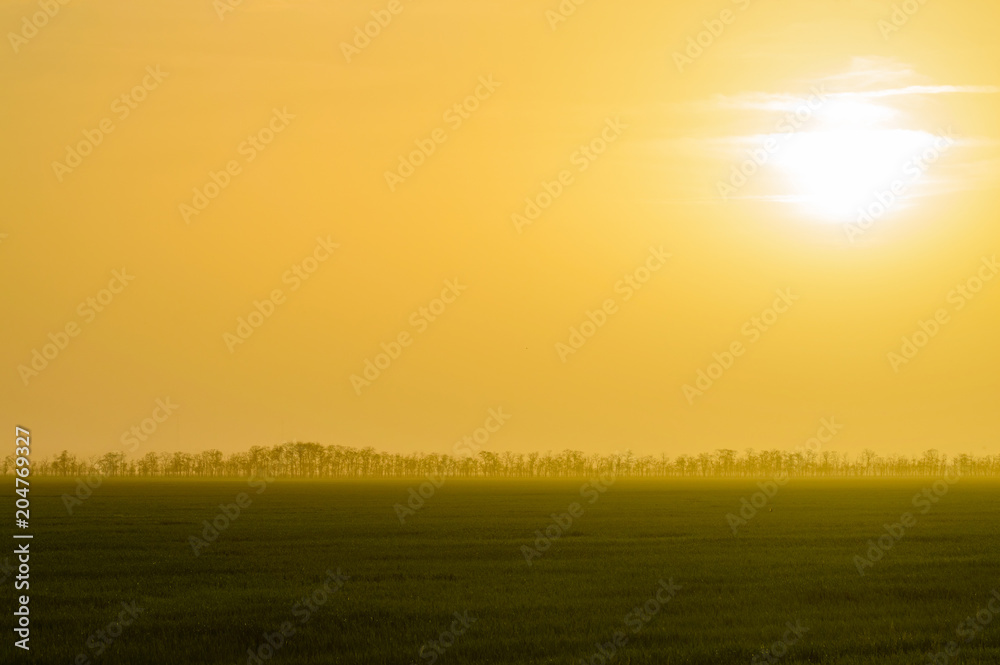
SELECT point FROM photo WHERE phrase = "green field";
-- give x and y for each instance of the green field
(792, 563)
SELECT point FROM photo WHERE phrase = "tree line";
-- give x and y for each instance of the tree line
(313, 460)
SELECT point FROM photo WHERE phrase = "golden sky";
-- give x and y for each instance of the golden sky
(545, 211)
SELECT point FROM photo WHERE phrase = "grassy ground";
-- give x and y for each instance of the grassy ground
(462, 553)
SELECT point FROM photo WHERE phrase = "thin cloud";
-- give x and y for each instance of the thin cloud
(777, 102)
(869, 77)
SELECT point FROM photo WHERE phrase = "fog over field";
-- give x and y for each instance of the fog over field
(500, 331)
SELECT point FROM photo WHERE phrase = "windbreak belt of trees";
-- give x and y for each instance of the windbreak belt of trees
(313, 460)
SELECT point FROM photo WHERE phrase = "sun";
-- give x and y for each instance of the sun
(850, 160)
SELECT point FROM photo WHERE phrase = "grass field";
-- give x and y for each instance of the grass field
(793, 563)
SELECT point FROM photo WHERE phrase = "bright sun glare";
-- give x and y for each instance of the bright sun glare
(849, 159)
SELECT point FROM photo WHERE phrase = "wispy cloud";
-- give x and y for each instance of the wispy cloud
(783, 101)
(867, 78)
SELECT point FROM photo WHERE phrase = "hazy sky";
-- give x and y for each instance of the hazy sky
(614, 122)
